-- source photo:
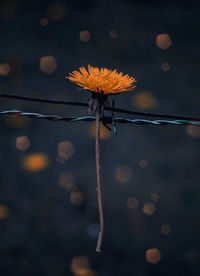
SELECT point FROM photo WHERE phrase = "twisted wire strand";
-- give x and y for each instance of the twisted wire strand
(119, 110)
(104, 119)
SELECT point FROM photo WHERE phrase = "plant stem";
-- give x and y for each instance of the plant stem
(99, 186)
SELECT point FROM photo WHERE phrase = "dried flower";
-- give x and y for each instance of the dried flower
(102, 80)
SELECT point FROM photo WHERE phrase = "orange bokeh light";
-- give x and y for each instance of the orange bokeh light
(165, 66)
(104, 132)
(153, 255)
(132, 202)
(144, 100)
(22, 143)
(163, 41)
(35, 162)
(4, 69)
(85, 36)
(65, 151)
(48, 64)
(193, 131)
(4, 212)
(165, 229)
(154, 197)
(80, 266)
(123, 174)
(56, 11)
(149, 208)
(76, 198)
(113, 34)
(66, 180)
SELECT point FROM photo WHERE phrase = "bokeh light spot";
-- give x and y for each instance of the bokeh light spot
(149, 208)
(163, 41)
(123, 174)
(66, 180)
(4, 69)
(65, 150)
(76, 198)
(153, 255)
(113, 34)
(48, 64)
(165, 229)
(80, 266)
(165, 66)
(85, 36)
(193, 131)
(132, 202)
(144, 100)
(143, 163)
(154, 197)
(104, 132)
(35, 162)
(22, 143)
(56, 11)
(4, 212)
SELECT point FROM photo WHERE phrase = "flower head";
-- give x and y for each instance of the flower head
(102, 80)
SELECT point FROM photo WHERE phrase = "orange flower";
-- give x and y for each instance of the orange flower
(102, 80)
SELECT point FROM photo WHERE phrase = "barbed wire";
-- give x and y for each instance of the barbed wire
(116, 110)
(104, 119)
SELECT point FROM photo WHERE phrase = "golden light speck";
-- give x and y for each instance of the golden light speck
(163, 41)
(132, 202)
(65, 151)
(44, 21)
(80, 266)
(4, 212)
(85, 36)
(48, 64)
(165, 229)
(123, 174)
(144, 100)
(35, 162)
(143, 163)
(193, 131)
(113, 34)
(22, 143)
(149, 208)
(165, 66)
(66, 180)
(104, 132)
(56, 11)
(153, 255)
(154, 197)
(76, 198)
(4, 69)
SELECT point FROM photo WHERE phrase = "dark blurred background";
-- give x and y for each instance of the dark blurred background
(48, 203)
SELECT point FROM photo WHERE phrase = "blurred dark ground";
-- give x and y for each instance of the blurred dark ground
(48, 205)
